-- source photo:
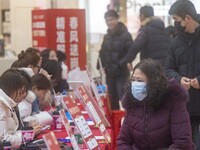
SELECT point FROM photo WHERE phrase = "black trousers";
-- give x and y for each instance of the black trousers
(116, 87)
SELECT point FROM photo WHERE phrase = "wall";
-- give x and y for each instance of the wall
(66, 3)
(4, 4)
(7, 62)
(21, 35)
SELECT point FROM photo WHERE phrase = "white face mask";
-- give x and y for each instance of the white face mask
(139, 90)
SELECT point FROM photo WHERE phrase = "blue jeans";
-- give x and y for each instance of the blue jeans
(195, 122)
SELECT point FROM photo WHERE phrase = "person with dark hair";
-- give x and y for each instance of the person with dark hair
(156, 114)
(13, 89)
(54, 69)
(183, 58)
(48, 54)
(115, 45)
(40, 82)
(30, 62)
(62, 60)
(39, 90)
(152, 40)
(61, 56)
(34, 50)
(146, 12)
(40, 86)
(28, 59)
(31, 49)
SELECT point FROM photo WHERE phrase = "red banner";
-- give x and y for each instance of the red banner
(61, 29)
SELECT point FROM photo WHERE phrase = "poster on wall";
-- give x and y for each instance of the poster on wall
(63, 30)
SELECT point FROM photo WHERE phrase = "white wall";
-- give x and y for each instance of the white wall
(96, 14)
(65, 3)
(21, 29)
(6, 63)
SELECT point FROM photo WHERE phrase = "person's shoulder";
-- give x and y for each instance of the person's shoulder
(127, 101)
(176, 92)
(123, 28)
(176, 41)
(3, 110)
(2, 104)
(155, 23)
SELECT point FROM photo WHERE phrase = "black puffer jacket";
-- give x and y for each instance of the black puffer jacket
(114, 47)
(152, 41)
(184, 61)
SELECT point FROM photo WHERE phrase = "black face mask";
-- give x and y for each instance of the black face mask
(179, 28)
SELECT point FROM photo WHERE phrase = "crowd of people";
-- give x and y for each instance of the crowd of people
(161, 97)
(27, 92)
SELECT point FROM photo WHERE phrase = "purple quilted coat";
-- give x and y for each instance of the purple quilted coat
(166, 129)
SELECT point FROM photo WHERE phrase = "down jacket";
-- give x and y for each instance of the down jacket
(167, 129)
(114, 47)
(25, 110)
(25, 106)
(183, 60)
(8, 121)
(152, 42)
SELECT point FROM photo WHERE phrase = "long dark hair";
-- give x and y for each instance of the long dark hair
(157, 82)
(45, 54)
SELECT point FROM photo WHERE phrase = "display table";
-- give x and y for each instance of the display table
(63, 134)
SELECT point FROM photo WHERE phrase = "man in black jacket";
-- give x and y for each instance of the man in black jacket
(115, 45)
(183, 60)
(152, 40)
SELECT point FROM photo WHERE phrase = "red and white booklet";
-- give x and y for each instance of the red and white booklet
(51, 141)
(95, 113)
(81, 123)
(69, 130)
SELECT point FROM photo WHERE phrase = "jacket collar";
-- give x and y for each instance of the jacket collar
(147, 20)
(7, 100)
(118, 30)
(30, 97)
(29, 71)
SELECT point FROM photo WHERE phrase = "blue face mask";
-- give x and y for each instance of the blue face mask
(139, 90)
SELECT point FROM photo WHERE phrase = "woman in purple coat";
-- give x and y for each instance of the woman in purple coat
(156, 114)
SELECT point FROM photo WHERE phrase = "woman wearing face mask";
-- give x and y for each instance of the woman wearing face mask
(156, 114)
(13, 88)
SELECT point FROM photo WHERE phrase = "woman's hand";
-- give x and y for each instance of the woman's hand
(37, 129)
